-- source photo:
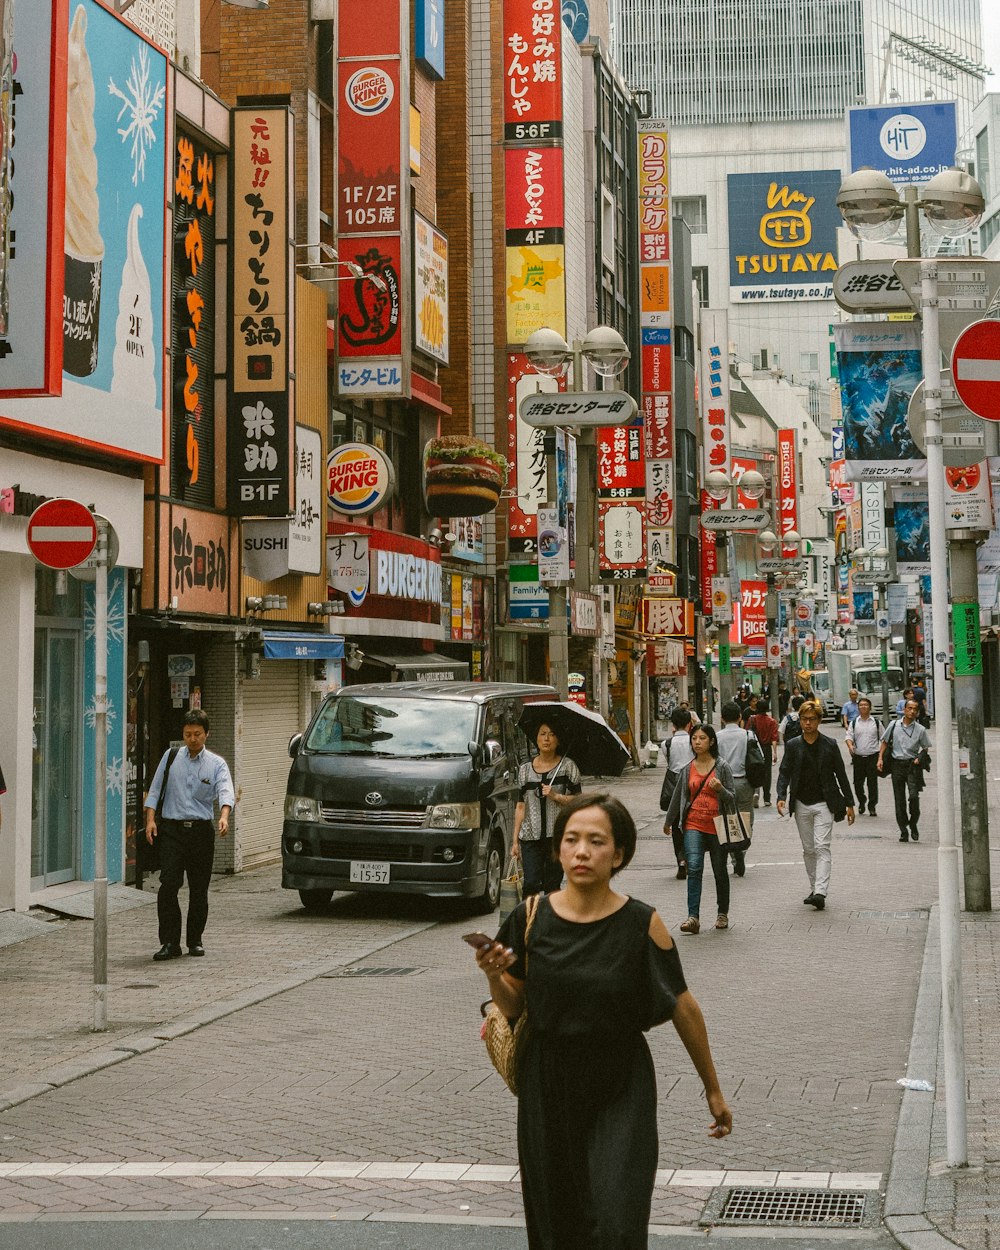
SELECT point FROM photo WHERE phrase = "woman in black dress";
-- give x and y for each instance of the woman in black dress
(601, 970)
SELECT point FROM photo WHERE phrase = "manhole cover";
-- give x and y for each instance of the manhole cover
(831, 1208)
(373, 972)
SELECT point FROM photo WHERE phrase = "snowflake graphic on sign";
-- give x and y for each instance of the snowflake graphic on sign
(141, 104)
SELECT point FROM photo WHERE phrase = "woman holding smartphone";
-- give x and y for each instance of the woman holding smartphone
(601, 969)
(545, 784)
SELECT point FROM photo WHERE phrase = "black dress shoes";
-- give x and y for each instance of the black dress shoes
(168, 950)
(872, 811)
(809, 898)
(904, 836)
(914, 833)
(197, 949)
(818, 901)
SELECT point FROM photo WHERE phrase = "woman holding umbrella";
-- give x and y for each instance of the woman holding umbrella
(545, 785)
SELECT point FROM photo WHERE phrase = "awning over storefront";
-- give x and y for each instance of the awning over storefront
(288, 645)
(426, 667)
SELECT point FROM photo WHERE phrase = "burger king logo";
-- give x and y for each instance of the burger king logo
(359, 479)
(369, 91)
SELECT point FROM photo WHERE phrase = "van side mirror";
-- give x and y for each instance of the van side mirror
(475, 751)
(294, 742)
(493, 752)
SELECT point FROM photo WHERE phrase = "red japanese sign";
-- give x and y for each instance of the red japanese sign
(741, 465)
(668, 616)
(368, 150)
(788, 495)
(532, 65)
(373, 213)
(534, 195)
(657, 367)
(621, 466)
(709, 554)
(654, 201)
(752, 613)
(658, 426)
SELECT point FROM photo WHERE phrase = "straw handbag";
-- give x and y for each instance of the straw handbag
(510, 890)
(505, 1040)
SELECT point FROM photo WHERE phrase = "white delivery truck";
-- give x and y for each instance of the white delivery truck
(862, 671)
(822, 687)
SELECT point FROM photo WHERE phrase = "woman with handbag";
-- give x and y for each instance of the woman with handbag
(545, 785)
(704, 790)
(593, 972)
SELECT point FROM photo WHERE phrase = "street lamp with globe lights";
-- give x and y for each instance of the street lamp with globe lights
(952, 203)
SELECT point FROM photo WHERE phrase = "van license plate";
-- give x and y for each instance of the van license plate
(369, 872)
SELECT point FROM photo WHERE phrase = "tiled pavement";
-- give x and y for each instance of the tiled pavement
(810, 1017)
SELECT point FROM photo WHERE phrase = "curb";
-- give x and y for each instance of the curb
(906, 1191)
(141, 1044)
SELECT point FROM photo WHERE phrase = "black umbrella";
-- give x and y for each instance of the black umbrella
(585, 736)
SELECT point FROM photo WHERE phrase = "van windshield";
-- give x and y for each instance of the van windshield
(406, 728)
(869, 680)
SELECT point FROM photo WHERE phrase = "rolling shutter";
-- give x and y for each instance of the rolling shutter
(270, 717)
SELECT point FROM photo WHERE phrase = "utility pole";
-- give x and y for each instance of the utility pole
(968, 683)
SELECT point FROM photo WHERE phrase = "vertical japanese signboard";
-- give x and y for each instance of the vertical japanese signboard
(373, 214)
(753, 613)
(715, 391)
(788, 493)
(621, 502)
(526, 455)
(656, 321)
(192, 435)
(430, 289)
(532, 112)
(260, 444)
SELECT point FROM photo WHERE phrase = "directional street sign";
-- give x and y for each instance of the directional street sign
(736, 519)
(547, 409)
(964, 439)
(775, 564)
(966, 285)
(61, 533)
(975, 368)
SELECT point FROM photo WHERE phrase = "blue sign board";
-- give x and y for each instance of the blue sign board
(837, 439)
(429, 42)
(910, 143)
(783, 235)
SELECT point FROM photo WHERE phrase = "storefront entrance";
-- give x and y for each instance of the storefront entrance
(56, 753)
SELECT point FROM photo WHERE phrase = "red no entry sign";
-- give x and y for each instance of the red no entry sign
(61, 533)
(975, 368)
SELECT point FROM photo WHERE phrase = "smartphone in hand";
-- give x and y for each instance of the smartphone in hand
(478, 940)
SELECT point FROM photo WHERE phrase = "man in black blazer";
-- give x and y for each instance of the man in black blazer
(814, 778)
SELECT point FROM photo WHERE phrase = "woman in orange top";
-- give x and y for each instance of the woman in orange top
(703, 791)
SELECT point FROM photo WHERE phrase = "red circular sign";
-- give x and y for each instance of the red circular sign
(803, 612)
(975, 368)
(61, 533)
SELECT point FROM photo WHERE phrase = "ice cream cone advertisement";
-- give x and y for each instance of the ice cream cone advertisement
(114, 245)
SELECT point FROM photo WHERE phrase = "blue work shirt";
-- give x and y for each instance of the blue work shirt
(850, 710)
(195, 782)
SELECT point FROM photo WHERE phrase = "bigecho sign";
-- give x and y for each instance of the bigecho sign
(359, 479)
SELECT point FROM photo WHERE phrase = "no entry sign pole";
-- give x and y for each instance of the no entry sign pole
(101, 780)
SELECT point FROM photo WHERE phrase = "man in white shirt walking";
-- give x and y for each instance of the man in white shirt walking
(179, 809)
(864, 734)
(904, 741)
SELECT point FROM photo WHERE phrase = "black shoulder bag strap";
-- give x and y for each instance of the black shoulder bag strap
(171, 756)
(704, 782)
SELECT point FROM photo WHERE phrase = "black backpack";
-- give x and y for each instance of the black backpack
(756, 765)
(793, 729)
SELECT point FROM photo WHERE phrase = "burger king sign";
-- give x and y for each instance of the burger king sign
(359, 479)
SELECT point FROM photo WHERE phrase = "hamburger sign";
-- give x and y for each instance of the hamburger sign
(359, 479)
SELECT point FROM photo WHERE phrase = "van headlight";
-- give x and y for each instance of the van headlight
(452, 816)
(298, 807)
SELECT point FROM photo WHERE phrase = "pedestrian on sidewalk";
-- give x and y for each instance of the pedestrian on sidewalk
(734, 742)
(814, 779)
(179, 809)
(702, 789)
(679, 755)
(864, 734)
(907, 744)
(545, 783)
(790, 727)
(763, 724)
(850, 709)
(599, 969)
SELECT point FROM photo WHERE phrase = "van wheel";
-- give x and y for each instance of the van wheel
(489, 900)
(315, 900)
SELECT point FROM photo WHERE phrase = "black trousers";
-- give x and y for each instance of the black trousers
(541, 871)
(184, 850)
(907, 782)
(866, 774)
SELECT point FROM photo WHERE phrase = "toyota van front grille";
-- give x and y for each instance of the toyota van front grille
(396, 817)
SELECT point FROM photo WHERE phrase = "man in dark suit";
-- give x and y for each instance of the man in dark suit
(814, 779)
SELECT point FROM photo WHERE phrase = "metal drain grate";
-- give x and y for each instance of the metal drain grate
(833, 1208)
(374, 972)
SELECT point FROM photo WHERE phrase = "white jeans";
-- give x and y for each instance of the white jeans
(815, 825)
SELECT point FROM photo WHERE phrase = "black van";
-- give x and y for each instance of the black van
(406, 787)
